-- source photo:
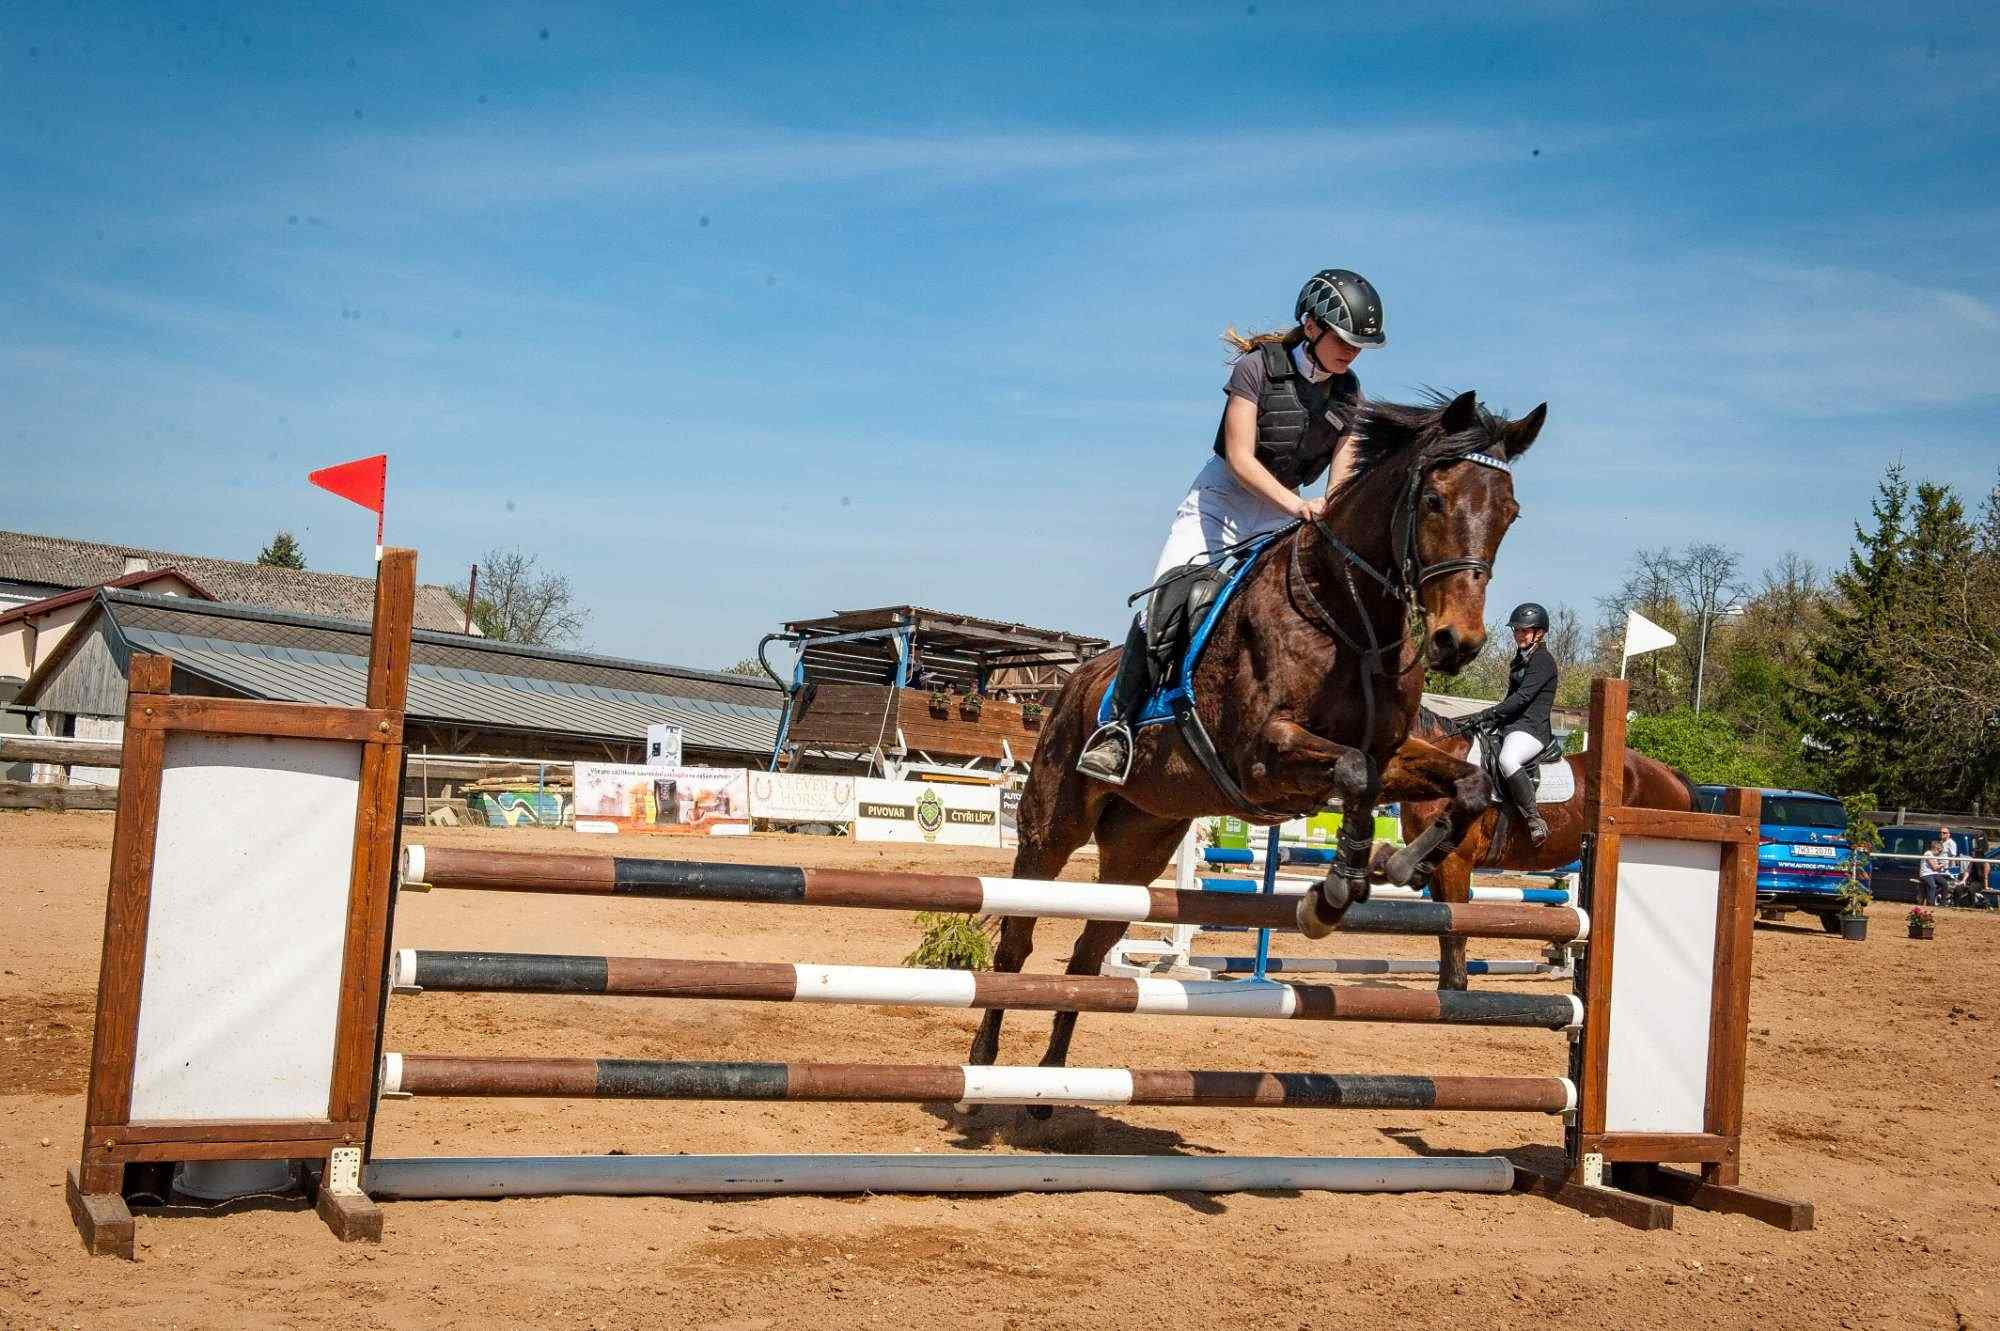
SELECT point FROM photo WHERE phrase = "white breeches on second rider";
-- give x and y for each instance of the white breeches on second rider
(1217, 512)
(1515, 749)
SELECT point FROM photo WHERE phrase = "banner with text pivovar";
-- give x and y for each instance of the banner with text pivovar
(939, 813)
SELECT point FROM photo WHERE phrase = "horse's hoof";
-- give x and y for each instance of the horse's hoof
(1402, 867)
(1312, 922)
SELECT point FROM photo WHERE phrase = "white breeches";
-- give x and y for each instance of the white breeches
(1515, 749)
(1217, 512)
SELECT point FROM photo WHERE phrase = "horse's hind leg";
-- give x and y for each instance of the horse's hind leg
(1452, 882)
(1132, 847)
(1051, 831)
(1017, 940)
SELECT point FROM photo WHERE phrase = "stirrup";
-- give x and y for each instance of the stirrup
(1110, 730)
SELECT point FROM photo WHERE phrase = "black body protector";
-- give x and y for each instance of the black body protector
(1299, 422)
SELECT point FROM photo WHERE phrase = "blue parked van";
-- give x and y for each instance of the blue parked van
(1802, 861)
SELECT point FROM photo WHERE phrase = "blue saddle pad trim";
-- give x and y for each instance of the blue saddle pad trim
(1165, 702)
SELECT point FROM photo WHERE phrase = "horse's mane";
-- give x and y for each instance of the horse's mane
(1430, 723)
(1412, 433)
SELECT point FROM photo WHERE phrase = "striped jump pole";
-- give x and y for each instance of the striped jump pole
(680, 880)
(1364, 966)
(436, 1178)
(653, 1079)
(1292, 885)
(896, 986)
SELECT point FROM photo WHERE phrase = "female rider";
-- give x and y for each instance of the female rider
(1522, 717)
(1292, 401)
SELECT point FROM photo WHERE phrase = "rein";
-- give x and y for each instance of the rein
(1412, 573)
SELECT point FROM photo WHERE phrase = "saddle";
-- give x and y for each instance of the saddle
(1180, 616)
(1490, 737)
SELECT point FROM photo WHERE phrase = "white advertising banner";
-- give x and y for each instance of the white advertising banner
(630, 797)
(938, 813)
(802, 797)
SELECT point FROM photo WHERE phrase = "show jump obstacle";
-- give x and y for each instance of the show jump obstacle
(277, 1056)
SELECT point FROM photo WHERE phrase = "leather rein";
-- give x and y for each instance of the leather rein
(1412, 574)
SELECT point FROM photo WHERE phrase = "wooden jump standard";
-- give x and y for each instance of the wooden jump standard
(778, 982)
(278, 1061)
(773, 884)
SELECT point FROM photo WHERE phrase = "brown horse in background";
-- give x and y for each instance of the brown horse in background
(1309, 684)
(1649, 784)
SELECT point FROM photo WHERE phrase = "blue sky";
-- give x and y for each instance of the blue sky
(743, 313)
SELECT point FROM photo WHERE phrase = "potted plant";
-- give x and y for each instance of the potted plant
(1923, 924)
(1031, 712)
(969, 705)
(941, 700)
(1854, 899)
(1862, 838)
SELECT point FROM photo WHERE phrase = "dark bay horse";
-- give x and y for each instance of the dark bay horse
(1309, 685)
(1649, 784)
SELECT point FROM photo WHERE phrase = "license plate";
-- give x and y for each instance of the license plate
(1816, 852)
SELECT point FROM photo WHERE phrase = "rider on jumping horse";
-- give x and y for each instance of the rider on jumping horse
(1522, 717)
(1292, 403)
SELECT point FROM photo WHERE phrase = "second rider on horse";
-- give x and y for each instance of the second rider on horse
(1292, 404)
(1522, 717)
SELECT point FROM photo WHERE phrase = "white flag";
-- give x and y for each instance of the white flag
(1642, 635)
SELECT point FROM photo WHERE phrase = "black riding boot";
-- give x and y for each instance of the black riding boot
(1521, 794)
(1107, 755)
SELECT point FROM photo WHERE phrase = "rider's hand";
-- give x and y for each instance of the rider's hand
(1308, 509)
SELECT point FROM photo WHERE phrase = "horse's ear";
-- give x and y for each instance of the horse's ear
(1460, 414)
(1522, 432)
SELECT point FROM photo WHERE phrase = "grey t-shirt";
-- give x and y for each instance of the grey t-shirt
(1332, 407)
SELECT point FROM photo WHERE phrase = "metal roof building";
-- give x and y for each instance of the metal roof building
(467, 694)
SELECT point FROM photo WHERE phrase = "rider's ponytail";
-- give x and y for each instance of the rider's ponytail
(1242, 343)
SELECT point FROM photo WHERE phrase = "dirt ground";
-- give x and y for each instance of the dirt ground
(1874, 1085)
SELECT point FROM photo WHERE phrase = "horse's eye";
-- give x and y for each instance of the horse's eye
(1434, 501)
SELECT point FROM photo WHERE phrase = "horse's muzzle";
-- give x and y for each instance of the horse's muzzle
(1452, 651)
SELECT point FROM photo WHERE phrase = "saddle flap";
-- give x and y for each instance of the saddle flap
(1177, 606)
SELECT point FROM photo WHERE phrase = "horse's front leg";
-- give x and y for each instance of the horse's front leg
(1356, 781)
(1419, 771)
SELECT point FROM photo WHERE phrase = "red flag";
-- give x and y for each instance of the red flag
(364, 480)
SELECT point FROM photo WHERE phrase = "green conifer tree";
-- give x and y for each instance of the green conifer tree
(283, 552)
(1850, 730)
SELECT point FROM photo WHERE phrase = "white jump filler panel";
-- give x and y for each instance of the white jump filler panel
(246, 928)
(1657, 1077)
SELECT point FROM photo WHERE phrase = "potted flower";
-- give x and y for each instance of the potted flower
(969, 705)
(941, 701)
(1854, 899)
(1923, 924)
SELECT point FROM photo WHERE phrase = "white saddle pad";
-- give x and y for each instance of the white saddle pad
(1555, 783)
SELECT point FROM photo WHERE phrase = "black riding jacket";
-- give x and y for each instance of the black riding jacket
(1531, 693)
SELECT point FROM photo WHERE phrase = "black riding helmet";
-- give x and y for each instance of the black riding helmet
(1346, 302)
(1528, 615)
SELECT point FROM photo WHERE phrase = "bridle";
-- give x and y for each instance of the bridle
(1411, 573)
